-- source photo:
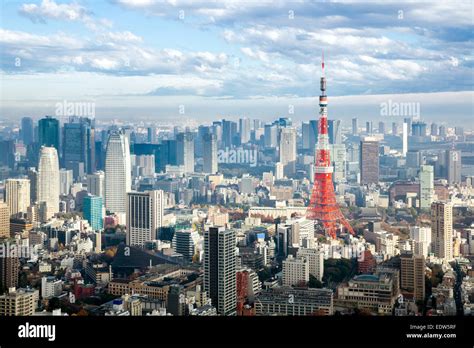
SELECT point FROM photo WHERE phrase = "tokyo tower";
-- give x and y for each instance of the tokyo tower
(323, 206)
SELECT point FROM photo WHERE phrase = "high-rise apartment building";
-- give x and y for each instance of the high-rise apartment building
(19, 302)
(295, 270)
(4, 220)
(426, 186)
(412, 274)
(315, 260)
(96, 184)
(17, 195)
(65, 181)
(144, 216)
(442, 230)
(288, 150)
(93, 208)
(369, 161)
(220, 269)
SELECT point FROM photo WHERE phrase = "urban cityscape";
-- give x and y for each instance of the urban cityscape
(306, 211)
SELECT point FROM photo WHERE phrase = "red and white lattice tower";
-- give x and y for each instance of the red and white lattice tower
(323, 206)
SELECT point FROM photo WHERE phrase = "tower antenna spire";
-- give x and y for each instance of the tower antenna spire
(322, 61)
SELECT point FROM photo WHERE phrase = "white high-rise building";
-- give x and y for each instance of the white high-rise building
(315, 260)
(65, 180)
(288, 150)
(426, 186)
(295, 270)
(405, 139)
(144, 216)
(118, 178)
(209, 155)
(442, 230)
(96, 184)
(244, 130)
(48, 180)
(421, 240)
(17, 195)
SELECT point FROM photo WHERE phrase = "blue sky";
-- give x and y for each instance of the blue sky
(137, 58)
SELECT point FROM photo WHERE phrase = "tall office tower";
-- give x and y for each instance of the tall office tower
(408, 121)
(313, 135)
(93, 211)
(381, 127)
(27, 131)
(244, 130)
(185, 151)
(209, 154)
(369, 127)
(229, 130)
(9, 271)
(323, 206)
(33, 177)
(79, 145)
(96, 184)
(338, 160)
(453, 166)
(369, 161)
(151, 135)
(426, 186)
(418, 129)
(216, 129)
(7, 149)
(271, 136)
(199, 141)
(412, 275)
(315, 260)
(405, 139)
(414, 159)
(443, 131)
(434, 129)
(4, 220)
(144, 216)
(118, 180)
(48, 132)
(295, 271)
(288, 150)
(305, 130)
(17, 195)
(442, 230)
(65, 181)
(220, 280)
(335, 131)
(394, 128)
(355, 126)
(48, 180)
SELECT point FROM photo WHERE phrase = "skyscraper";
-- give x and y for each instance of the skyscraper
(17, 195)
(405, 139)
(9, 270)
(48, 180)
(93, 211)
(185, 151)
(220, 269)
(355, 126)
(412, 275)
(394, 128)
(65, 180)
(442, 230)
(334, 131)
(244, 130)
(453, 166)
(288, 150)
(209, 154)
(144, 216)
(426, 186)
(27, 131)
(229, 130)
(48, 132)
(369, 128)
(381, 127)
(95, 184)
(271, 136)
(79, 145)
(369, 161)
(4, 220)
(118, 179)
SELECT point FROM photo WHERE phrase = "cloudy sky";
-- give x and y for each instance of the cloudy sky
(147, 59)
